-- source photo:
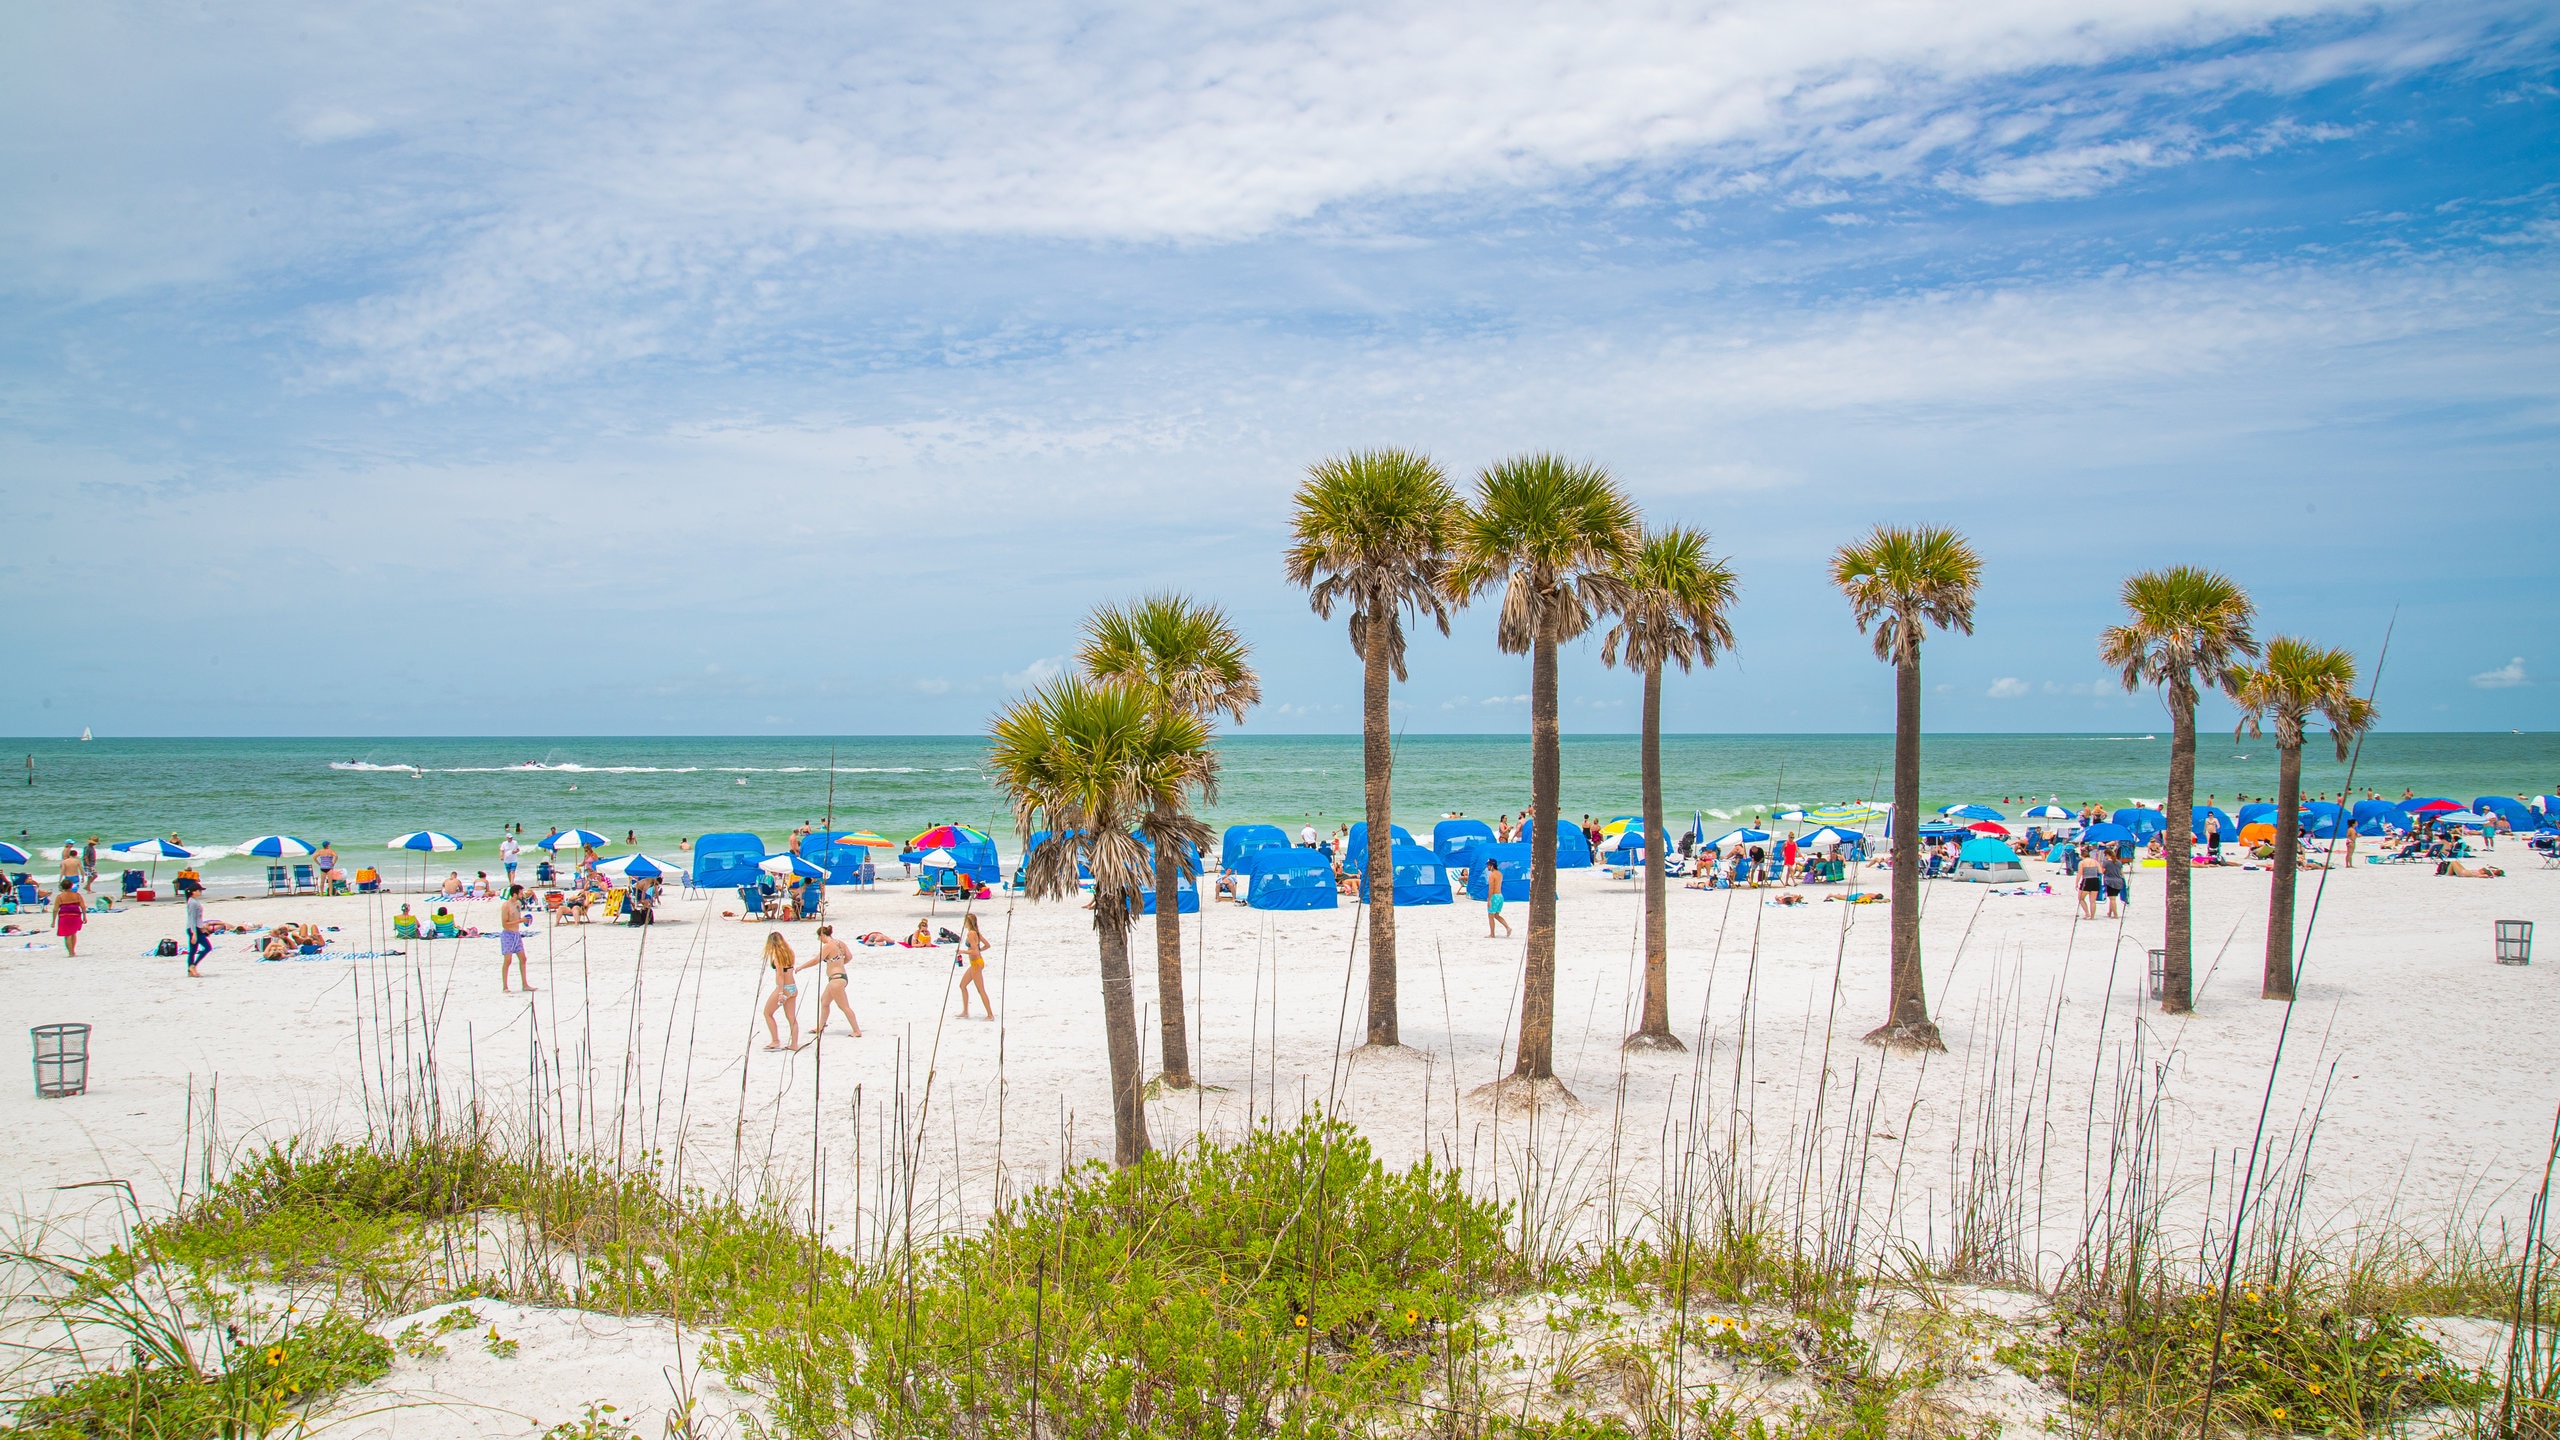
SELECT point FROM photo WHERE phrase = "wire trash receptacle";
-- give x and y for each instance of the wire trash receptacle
(2515, 942)
(2156, 975)
(62, 1060)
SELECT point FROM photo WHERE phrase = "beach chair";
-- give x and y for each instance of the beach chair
(866, 875)
(28, 895)
(447, 930)
(130, 881)
(276, 881)
(302, 879)
(404, 927)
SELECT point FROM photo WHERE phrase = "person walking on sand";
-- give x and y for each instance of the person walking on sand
(785, 998)
(509, 852)
(835, 955)
(199, 944)
(973, 947)
(2111, 869)
(511, 939)
(69, 914)
(2093, 883)
(1493, 900)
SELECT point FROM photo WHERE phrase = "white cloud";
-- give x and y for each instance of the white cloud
(2505, 677)
(1038, 672)
(936, 686)
(2007, 687)
(1504, 700)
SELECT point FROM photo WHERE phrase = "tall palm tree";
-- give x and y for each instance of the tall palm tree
(2187, 627)
(2298, 679)
(1673, 612)
(1190, 658)
(1554, 534)
(1089, 761)
(1372, 534)
(1899, 583)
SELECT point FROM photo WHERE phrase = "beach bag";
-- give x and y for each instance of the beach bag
(166, 947)
(946, 936)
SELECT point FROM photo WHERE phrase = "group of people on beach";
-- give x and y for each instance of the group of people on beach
(783, 967)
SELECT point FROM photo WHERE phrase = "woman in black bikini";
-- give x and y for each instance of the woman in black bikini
(2092, 882)
(835, 955)
(786, 991)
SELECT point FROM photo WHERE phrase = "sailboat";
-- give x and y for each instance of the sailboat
(84, 732)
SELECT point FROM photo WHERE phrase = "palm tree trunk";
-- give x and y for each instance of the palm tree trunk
(1377, 765)
(1120, 1026)
(1654, 1033)
(1910, 1027)
(1177, 1045)
(2278, 983)
(1537, 1059)
(2177, 844)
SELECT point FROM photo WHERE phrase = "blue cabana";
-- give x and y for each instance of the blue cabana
(1573, 848)
(843, 863)
(1515, 870)
(1449, 837)
(1186, 899)
(2143, 821)
(1420, 877)
(2377, 813)
(1290, 878)
(2104, 834)
(1355, 850)
(2506, 807)
(1191, 859)
(1038, 839)
(2195, 822)
(727, 860)
(1243, 840)
(2257, 812)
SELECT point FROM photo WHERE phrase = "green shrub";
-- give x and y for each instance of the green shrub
(262, 1387)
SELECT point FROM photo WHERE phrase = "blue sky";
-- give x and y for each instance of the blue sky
(495, 368)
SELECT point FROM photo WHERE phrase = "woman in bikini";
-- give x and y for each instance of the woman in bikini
(835, 955)
(69, 914)
(2093, 882)
(973, 946)
(786, 991)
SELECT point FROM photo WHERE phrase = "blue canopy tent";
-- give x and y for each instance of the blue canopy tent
(727, 860)
(2515, 812)
(1420, 878)
(2195, 822)
(1243, 840)
(2256, 812)
(1355, 850)
(1449, 837)
(1573, 849)
(1290, 878)
(843, 863)
(1932, 832)
(2387, 812)
(1191, 861)
(1039, 838)
(1186, 897)
(2143, 821)
(1514, 859)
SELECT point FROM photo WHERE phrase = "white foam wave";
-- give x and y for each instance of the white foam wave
(369, 765)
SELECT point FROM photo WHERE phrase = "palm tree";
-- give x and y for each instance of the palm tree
(1192, 661)
(1372, 533)
(1673, 612)
(2187, 626)
(2298, 679)
(1554, 534)
(1899, 583)
(1089, 761)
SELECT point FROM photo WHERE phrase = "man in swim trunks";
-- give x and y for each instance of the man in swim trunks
(508, 853)
(1493, 899)
(511, 939)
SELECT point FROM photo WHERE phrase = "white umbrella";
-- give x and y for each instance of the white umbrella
(790, 864)
(2048, 812)
(941, 860)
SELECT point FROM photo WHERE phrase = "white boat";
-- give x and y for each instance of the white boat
(84, 732)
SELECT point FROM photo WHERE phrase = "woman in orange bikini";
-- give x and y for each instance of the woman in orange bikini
(973, 944)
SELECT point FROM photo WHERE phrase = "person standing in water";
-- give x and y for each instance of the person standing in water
(785, 998)
(511, 939)
(973, 947)
(835, 955)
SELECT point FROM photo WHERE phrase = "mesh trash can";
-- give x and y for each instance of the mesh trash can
(2515, 942)
(2156, 975)
(62, 1059)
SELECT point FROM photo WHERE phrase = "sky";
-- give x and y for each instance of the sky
(508, 368)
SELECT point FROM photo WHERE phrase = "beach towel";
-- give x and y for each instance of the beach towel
(912, 945)
(333, 954)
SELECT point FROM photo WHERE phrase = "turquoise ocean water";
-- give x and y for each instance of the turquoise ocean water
(359, 793)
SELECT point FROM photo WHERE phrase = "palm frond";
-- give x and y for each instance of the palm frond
(2184, 626)
(1092, 761)
(1554, 534)
(1675, 604)
(2297, 679)
(1372, 531)
(1901, 581)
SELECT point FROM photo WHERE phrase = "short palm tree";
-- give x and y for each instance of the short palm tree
(2297, 680)
(2185, 627)
(1190, 658)
(1554, 534)
(1372, 535)
(1899, 583)
(1673, 613)
(1090, 761)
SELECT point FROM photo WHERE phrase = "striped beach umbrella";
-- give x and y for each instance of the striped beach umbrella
(2047, 812)
(790, 864)
(11, 854)
(155, 850)
(1972, 812)
(564, 839)
(434, 842)
(869, 839)
(275, 847)
(638, 867)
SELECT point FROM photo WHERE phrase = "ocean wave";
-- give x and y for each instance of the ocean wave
(369, 765)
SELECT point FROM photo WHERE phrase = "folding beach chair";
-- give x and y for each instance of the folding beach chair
(302, 879)
(131, 881)
(276, 880)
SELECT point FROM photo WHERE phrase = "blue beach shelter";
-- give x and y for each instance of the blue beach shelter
(1573, 849)
(1450, 837)
(1038, 839)
(842, 863)
(726, 860)
(2257, 812)
(2387, 811)
(1290, 878)
(2195, 822)
(1190, 860)
(1515, 870)
(1355, 850)
(2142, 820)
(2506, 807)
(1420, 877)
(1972, 812)
(1186, 899)
(1243, 840)
(2105, 834)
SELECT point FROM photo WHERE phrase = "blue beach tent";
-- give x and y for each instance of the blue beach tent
(1243, 840)
(2105, 834)
(2257, 811)
(2385, 810)
(1450, 837)
(1186, 899)
(1038, 839)
(843, 863)
(1515, 870)
(1191, 859)
(1573, 849)
(2195, 822)
(2506, 807)
(1420, 877)
(727, 860)
(2143, 821)
(1290, 878)
(1355, 850)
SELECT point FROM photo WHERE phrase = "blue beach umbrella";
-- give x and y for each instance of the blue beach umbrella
(2106, 834)
(564, 839)
(11, 854)
(1830, 835)
(429, 841)
(155, 850)
(1744, 836)
(275, 847)
(2048, 812)
(640, 867)
(1972, 812)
